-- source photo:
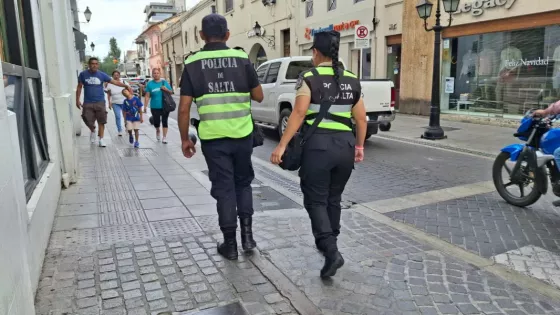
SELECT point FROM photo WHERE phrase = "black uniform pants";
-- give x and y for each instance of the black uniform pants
(327, 162)
(231, 172)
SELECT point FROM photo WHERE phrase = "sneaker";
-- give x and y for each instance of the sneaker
(120, 133)
(136, 144)
(158, 138)
(92, 137)
(102, 143)
(164, 140)
(130, 139)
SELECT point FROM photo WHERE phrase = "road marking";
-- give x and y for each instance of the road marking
(433, 196)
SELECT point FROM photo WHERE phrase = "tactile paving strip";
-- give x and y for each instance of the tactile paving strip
(117, 233)
(80, 237)
(122, 218)
(208, 223)
(132, 152)
(125, 205)
(175, 227)
(116, 195)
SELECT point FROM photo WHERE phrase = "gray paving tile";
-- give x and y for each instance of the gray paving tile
(159, 203)
(77, 209)
(152, 194)
(86, 221)
(197, 200)
(67, 198)
(167, 213)
(202, 210)
(149, 186)
(198, 191)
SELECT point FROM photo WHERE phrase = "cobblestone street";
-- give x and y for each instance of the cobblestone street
(137, 235)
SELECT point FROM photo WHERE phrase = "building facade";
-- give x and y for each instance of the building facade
(500, 58)
(37, 105)
(151, 38)
(172, 44)
(344, 16)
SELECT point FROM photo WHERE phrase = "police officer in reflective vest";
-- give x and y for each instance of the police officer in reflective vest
(330, 153)
(222, 82)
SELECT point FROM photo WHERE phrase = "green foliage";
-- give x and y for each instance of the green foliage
(108, 65)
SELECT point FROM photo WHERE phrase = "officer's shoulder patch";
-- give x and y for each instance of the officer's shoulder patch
(299, 82)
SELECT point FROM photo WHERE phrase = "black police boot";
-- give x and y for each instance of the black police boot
(333, 261)
(247, 241)
(228, 248)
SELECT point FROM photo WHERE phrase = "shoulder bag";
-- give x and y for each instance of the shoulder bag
(291, 160)
(169, 104)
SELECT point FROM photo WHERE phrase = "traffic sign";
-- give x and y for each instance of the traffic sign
(361, 37)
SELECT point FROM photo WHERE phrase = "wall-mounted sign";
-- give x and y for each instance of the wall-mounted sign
(478, 7)
(449, 85)
(393, 27)
(251, 33)
(310, 32)
(361, 37)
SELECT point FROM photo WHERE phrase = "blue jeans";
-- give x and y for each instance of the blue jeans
(117, 109)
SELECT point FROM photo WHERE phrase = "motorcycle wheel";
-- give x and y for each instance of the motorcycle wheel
(525, 199)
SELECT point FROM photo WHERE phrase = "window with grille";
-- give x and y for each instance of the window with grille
(228, 5)
(22, 87)
(309, 8)
(331, 5)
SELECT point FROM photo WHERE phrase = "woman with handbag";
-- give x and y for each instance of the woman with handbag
(325, 150)
(154, 99)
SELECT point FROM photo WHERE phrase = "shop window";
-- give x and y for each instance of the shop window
(228, 5)
(272, 74)
(331, 5)
(22, 87)
(261, 72)
(501, 74)
(309, 8)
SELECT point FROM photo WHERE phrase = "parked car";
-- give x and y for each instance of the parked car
(137, 85)
(278, 78)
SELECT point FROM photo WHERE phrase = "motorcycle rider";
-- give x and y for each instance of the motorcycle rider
(552, 109)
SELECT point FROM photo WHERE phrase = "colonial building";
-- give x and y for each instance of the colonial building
(172, 43)
(39, 152)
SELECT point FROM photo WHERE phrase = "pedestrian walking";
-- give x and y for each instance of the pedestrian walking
(92, 80)
(132, 108)
(330, 149)
(154, 99)
(222, 81)
(115, 99)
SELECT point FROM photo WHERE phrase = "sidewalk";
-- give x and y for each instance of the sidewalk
(137, 235)
(466, 137)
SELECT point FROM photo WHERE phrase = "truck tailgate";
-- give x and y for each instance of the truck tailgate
(377, 95)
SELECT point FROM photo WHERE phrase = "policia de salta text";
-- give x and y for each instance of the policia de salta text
(329, 154)
(222, 82)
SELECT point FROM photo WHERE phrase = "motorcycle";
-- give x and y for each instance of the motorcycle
(533, 162)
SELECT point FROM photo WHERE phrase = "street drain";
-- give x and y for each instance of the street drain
(136, 152)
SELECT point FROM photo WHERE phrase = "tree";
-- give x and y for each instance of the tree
(108, 65)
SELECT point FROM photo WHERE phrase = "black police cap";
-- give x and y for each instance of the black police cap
(323, 41)
(214, 25)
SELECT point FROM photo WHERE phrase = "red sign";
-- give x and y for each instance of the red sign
(362, 32)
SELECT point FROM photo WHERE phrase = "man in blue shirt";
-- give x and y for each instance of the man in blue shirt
(92, 81)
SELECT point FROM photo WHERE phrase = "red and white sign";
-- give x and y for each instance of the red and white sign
(361, 37)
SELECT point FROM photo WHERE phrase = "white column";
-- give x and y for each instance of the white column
(59, 75)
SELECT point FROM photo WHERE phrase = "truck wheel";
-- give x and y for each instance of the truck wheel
(385, 127)
(283, 121)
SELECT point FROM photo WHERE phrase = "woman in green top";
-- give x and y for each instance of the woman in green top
(154, 99)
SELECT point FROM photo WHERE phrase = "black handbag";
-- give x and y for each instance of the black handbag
(169, 104)
(291, 160)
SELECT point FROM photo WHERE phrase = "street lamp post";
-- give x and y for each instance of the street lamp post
(424, 9)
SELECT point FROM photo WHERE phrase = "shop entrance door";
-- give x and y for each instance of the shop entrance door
(394, 69)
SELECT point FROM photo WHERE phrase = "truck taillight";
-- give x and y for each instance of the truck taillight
(393, 96)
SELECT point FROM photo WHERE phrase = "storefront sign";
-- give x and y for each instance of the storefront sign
(449, 85)
(478, 7)
(310, 32)
(525, 62)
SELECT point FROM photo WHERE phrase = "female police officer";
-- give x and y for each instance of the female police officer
(330, 152)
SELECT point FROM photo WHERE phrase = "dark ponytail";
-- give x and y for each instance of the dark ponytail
(334, 55)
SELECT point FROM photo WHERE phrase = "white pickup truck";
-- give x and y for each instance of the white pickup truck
(278, 78)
